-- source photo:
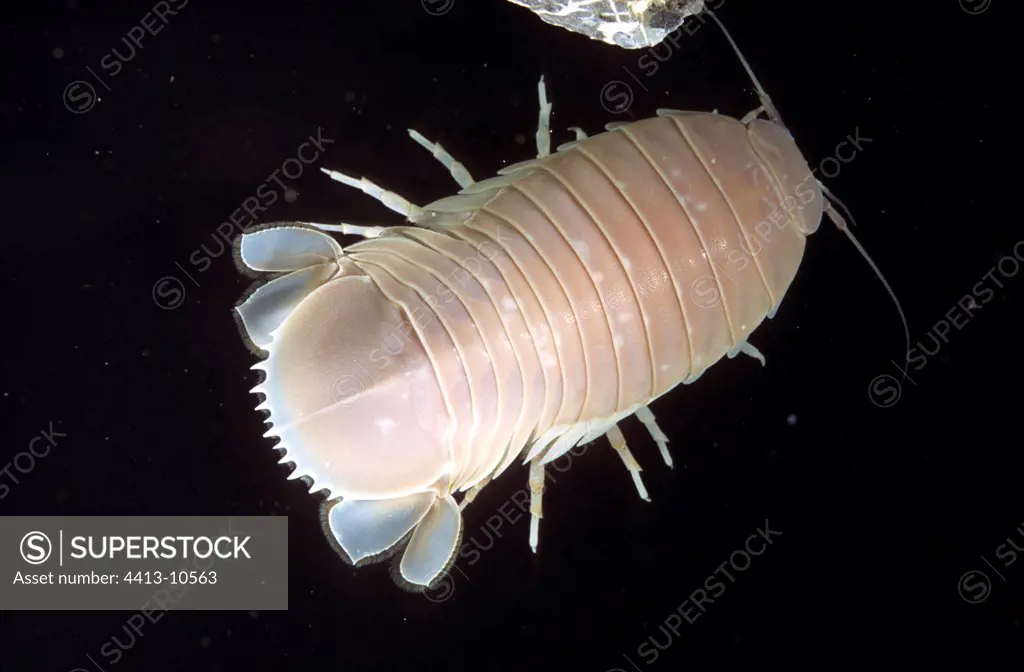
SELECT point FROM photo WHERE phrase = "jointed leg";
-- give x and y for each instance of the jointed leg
(536, 493)
(580, 133)
(644, 415)
(618, 442)
(457, 170)
(753, 114)
(543, 122)
(746, 349)
(348, 229)
(472, 493)
(389, 198)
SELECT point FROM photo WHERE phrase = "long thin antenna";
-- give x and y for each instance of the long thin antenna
(766, 101)
(840, 223)
(829, 197)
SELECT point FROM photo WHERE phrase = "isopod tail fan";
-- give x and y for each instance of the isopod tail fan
(372, 530)
(368, 528)
(829, 198)
(433, 543)
(285, 248)
(302, 258)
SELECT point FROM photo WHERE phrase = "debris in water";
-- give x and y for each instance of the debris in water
(630, 24)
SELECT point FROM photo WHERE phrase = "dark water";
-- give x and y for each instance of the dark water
(880, 510)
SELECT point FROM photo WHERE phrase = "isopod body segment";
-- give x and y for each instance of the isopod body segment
(525, 315)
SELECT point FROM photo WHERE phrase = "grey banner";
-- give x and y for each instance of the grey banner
(152, 563)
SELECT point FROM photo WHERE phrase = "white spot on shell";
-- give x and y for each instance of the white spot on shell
(619, 341)
(625, 317)
(713, 160)
(386, 424)
(581, 248)
(508, 303)
(598, 277)
(701, 206)
(665, 367)
(627, 264)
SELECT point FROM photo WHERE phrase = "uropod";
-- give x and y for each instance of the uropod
(527, 314)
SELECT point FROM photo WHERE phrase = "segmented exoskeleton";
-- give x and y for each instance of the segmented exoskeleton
(527, 314)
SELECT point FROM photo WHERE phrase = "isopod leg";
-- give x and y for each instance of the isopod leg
(748, 349)
(580, 133)
(753, 114)
(543, 122)
(618, 442)
(456, 169)
(536, 493)
(472, 493)
(644, 415)
(389, 198)
(348, 229)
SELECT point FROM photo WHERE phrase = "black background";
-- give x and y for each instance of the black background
(881, 510)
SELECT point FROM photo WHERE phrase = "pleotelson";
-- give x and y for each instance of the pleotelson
(578, 286)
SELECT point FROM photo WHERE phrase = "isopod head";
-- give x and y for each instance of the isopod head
(800, 194)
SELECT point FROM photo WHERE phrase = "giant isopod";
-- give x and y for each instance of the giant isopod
(527, 314)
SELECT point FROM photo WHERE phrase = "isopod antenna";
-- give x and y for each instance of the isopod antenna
(831, 199)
